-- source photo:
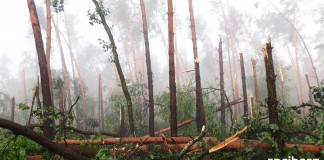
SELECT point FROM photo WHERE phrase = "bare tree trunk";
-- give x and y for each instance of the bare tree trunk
(221, 81)
(47, 100)
(272, 95)
(13, 104)
(42, 140)
(282, 87)
(48, 45)
(245, 101)
(61, 100)
(25, 90)
(200, 111)
(119, 70)
(310, 95)
(64, 68)
(122, 131)
(173, 88)
(294, 70)
(149, 71)
(256, 87)
(100, 102)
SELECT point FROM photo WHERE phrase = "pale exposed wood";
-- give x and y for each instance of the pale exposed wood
(168, 129)
(256, 87)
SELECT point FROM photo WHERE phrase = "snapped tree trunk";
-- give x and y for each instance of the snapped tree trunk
(100, 12)
(42, 140)
(221, 81)
(173, 88)
(149, 71)
(64, 68)
(200, 111)
(43, 68)
(256, 87)
(245, 101)
(272, 95)
(13, 104)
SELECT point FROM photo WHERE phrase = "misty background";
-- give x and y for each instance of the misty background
(249, 23)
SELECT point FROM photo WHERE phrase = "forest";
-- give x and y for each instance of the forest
(162, 79)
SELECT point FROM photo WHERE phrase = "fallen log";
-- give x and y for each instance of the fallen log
(40, 139)
(168, 129)
(238, 144)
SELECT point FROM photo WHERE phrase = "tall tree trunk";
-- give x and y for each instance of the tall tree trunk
(310, 96)
(221, 81)
(272, 95)
(245, 100)
(294, 70)
(99, 10)
(149, 71)
(25, 90)
(100, 102)
(200, 111)
(61, 100)
(13, 104)
(64, 68)
(256, 86)
(282, 87)
(47, 100)
(173, 88)
(122, 131)
(48, 45)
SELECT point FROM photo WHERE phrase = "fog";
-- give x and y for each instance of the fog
(243, 26)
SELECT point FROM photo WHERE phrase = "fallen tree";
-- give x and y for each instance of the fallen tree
(40, 139)
(237, 144)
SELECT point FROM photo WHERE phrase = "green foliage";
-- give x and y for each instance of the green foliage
(58, 5)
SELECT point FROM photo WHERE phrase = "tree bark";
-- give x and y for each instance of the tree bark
(310, 95)
(200, 111)
(13, 104)
(48, 44)
(122, 130)
(42, 140)
(282, 87)
(256, 86)
(173, 88)
(100, 105)
(64, 68)
(149, 71)
(272, 95)
(221, 81)
(119, 69)
(47, 100)
(245, 101)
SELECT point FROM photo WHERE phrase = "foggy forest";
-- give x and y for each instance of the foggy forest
(162, 79)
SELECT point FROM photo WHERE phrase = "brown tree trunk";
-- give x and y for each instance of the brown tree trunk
(200, 111)
(100, 106)
(48, 45)
(245, 101)
(42, 140)
(221, 81)
(173, 88)
(64, 68)
(119, 69)
(122, 130)
(61, 100)
(282, 87)
(256, 87)
(47, 100)
(272, 95)
(310, 95)
(149, 71)
(13, 104)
